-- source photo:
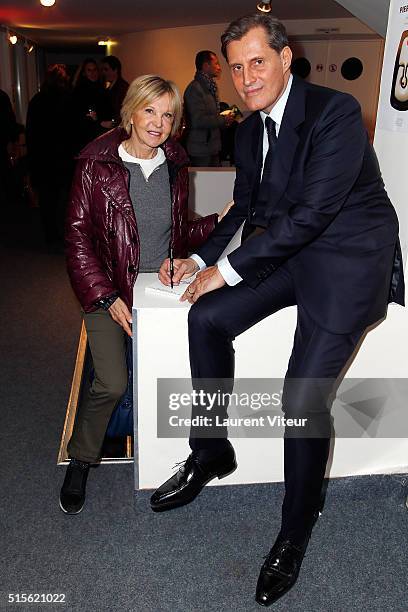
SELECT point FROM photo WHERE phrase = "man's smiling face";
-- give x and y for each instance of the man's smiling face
(260, 74)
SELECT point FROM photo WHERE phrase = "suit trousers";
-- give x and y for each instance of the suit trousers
(318, 357)
(108, 349)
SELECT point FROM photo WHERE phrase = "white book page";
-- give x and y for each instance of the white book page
(157, 288)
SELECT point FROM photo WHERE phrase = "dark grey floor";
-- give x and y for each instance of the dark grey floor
(119, 556)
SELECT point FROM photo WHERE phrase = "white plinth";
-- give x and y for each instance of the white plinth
(161, 351)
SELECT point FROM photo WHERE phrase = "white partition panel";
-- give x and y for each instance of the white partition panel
(161, 351)
(210, 189)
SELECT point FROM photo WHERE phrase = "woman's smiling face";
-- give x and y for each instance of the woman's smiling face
(151, 124)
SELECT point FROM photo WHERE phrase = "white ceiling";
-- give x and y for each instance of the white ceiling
(373, 13)
(82, 22)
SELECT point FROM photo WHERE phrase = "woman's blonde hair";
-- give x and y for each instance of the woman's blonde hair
(142, 91)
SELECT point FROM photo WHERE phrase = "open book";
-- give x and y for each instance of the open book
(157, 288)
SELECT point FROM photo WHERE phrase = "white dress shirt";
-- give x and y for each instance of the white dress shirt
(228, 273)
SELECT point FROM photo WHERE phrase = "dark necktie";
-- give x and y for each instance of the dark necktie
(257, 212)
(270, 127)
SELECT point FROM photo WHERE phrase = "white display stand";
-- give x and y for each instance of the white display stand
(210, 189)
(161, 351)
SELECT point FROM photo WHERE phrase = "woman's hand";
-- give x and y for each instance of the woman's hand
(225, 210)
(183, 268)
(121, 315)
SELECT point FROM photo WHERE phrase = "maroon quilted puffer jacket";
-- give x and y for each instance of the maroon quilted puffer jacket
(102, 241)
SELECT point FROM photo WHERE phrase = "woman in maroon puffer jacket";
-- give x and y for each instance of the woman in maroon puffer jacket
(128, 208)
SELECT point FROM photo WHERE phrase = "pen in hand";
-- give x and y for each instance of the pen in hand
(171, 267)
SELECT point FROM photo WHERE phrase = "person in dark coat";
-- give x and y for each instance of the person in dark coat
(92, 107)
(50, 147)
(117, 86)
(8, 133)
(202, 112)
(128, 209)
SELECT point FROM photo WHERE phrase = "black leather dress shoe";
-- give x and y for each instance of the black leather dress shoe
(72, 496)
(281, 567)
(279, 571)
(190, 479)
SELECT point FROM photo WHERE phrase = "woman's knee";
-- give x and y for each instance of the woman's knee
(112, 388)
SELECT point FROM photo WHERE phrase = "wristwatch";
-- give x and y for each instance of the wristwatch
(106, 302)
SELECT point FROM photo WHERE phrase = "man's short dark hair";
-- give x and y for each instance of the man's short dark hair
(202, 57)
(274, 29)
(113, 62)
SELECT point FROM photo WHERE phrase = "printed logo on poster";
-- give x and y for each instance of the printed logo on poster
(393, 104)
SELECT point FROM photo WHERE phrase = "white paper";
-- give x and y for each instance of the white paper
(157, 288)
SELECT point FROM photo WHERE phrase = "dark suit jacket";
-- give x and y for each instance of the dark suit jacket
(328, 214)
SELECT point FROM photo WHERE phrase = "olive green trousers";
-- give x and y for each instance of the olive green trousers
(108, 348)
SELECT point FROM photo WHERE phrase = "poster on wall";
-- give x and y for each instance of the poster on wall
(393, 104)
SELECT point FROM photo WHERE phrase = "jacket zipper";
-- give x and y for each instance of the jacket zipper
(171, 245)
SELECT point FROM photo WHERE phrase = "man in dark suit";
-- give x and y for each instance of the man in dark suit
(320, 233)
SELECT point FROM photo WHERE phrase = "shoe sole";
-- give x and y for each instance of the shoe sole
(66, 511)
(171, 506)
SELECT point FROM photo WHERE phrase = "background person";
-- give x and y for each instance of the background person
(91, 103)
(8, 134)
(128, 207)
(202, 112)
(117, 86)
(50, 127)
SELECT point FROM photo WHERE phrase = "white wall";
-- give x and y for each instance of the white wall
(171, 52)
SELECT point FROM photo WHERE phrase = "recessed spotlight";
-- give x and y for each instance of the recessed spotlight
(47, 2)
(103, 43)
(264, 7)
(13, 39)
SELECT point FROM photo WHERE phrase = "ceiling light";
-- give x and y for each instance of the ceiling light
(47, 2)
(264, 7)
(13, 39)
(103, 43)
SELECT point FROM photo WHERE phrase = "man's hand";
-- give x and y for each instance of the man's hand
(121, 315)
(183, 268)
(206, 281)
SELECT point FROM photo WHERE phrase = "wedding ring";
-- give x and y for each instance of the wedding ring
(190, 292)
